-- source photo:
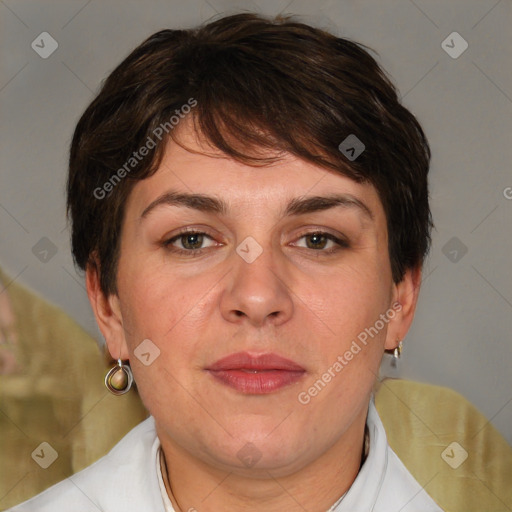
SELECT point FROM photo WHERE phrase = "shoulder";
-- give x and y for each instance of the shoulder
(124, 479)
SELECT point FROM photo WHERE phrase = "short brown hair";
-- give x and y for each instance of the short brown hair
(269, 84)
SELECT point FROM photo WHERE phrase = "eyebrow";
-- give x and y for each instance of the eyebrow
(297, 206)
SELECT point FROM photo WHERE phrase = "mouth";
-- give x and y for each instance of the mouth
(256, 374)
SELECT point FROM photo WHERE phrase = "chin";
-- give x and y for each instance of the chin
(253, 451)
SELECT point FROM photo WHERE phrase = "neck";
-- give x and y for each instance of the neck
(194, 485)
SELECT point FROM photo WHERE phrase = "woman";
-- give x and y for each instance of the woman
(249, 202)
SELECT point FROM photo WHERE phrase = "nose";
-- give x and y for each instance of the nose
(257, 293)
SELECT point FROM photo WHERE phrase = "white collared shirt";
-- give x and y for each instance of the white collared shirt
(129, 479)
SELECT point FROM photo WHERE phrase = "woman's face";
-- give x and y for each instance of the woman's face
(272, 274)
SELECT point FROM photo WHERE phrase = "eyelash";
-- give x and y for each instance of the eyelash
(193, 253)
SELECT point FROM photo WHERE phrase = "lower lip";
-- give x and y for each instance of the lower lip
(257, 383)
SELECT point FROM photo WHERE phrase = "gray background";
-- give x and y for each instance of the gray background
(461, 336)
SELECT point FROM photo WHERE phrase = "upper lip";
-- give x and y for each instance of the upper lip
(247, 361)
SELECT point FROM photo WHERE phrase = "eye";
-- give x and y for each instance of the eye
(188, 243)
(321, 241)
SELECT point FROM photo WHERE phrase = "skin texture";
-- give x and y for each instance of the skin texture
(294, 299)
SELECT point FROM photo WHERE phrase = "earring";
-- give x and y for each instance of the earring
(119, 378)
(398, 351)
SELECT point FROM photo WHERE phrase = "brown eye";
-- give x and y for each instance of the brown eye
(192, 240)
(323, 242)
(189, 243)
(316, 241)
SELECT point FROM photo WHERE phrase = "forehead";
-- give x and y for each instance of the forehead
(192, 166)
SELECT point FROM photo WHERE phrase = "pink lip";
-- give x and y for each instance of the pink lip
(256, 374)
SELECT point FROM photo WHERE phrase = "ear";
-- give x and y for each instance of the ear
(404, 300)
(107, 311)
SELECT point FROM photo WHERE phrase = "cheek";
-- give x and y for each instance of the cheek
(349, 352)
(348, 301)
(173, 312)
(157, 303)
